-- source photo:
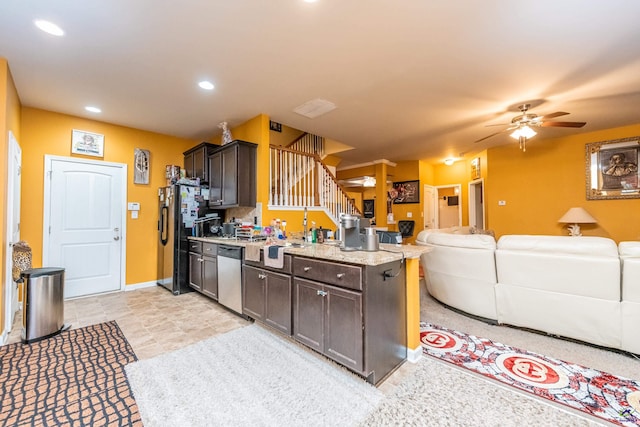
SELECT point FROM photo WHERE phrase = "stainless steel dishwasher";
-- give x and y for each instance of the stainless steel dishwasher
(230, 277)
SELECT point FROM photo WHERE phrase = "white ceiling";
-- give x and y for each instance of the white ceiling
(411, 79)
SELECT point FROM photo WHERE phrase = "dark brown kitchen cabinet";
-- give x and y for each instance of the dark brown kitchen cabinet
(266, 297)
(329, 320)
(232, 173)
(203, 268)
(196, 161)
(353, 314)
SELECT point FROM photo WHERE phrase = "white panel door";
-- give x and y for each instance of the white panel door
(85, 223)
(430, 206)
(14, 168)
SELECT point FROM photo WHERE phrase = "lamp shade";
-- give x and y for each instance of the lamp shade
(577, 216)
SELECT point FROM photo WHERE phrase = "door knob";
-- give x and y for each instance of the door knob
(116, 237)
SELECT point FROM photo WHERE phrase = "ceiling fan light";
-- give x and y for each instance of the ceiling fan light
(524, 131)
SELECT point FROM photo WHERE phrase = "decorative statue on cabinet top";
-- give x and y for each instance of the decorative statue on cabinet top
(226, 133)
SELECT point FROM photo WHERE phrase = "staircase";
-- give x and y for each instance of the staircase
(300, 179)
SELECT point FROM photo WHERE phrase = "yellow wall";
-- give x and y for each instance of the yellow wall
(541, 184)
(9, 121)
(45, 132)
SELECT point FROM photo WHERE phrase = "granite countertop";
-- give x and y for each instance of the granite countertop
(331, 251)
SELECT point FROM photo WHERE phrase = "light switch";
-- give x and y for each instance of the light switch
(409, 214)
(502, 202)
(133, 206)
(134, 214)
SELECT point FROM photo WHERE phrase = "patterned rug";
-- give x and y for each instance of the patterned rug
(75, 378)
(609, 397)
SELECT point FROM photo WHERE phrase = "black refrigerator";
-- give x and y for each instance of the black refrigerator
(179, 206)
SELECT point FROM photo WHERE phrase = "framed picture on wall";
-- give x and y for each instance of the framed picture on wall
(612, 169)
(406, 192)
(475, 168)
(369, 208)
(87, 143)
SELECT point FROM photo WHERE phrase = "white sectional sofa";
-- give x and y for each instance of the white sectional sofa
(584, 288)
(630, 256)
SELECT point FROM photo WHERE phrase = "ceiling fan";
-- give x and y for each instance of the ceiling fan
(522, 124)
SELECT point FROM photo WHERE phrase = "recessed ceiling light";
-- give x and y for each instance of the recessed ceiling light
(206, 85)
(49, 27)
(310, 1)
(93, 109)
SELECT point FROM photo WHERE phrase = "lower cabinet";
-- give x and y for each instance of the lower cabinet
(210, 277)
(203, 268)
(329, 319)
(266, 297)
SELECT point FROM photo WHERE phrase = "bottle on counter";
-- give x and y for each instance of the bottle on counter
(314, 234)
(320, 237)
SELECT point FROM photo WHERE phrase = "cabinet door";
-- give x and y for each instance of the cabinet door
(344, 327)
(230, 176)
(195, 271)
(277, 308)
(188, 165)
(199, 167)
(215, 179)
(254, 281)
(308, 313)
(210, 277)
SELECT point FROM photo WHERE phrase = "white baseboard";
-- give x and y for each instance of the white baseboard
(413, 355)
(4, 337)
(142, 285)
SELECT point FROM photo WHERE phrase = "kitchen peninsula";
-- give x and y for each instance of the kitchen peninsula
(359, 308)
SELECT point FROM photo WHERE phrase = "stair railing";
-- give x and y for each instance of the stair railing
(300, 180)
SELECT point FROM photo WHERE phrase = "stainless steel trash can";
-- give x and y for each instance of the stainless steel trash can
(43, 309)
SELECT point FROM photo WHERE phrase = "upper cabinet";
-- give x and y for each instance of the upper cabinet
(196, 162)
(232, 173)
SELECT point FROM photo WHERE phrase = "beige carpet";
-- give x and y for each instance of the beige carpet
(248, 377)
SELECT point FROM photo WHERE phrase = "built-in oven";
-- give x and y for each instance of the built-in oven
(230, 277)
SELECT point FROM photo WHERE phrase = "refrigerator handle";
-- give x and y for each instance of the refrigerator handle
(164, 226)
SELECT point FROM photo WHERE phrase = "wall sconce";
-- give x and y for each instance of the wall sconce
(449, 162)
(574, 217)
(369, 181)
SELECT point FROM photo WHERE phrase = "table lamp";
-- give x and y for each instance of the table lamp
(574, 217)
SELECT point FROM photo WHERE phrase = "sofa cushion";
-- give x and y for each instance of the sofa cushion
(566, 245)
(472, 241)
(630, 257)
(585, 266)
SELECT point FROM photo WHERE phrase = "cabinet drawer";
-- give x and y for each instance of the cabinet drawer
(346, 276)
(195, 247)
(209, 249)
(285, 269)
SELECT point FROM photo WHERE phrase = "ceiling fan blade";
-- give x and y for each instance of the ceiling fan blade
(563, 124)
(493, 134)
(553, 115)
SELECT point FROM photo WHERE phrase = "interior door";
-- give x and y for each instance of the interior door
(86, 201)
(476, 204)
(14, 168)
(430, 206)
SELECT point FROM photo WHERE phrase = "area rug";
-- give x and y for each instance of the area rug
(75, 378)
(248, 377)
(608, 397)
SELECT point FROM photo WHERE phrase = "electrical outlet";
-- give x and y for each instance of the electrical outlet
(409, 214)
(502, 202)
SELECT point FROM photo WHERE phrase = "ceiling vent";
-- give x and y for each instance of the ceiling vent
(315, 108)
